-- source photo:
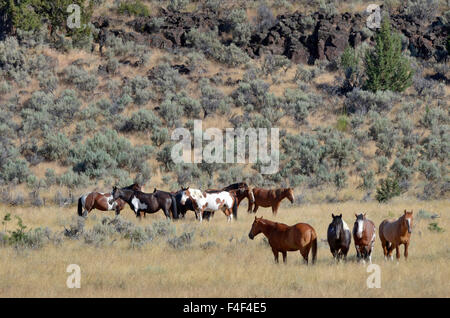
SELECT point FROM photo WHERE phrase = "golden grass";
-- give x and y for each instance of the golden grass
(235, 267)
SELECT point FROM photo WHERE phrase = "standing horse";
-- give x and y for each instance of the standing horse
(284, 238)
(270, 198)
(393, 233)
(147, 202)
(101, 201)
(339, 237)
(204, 201)
(364, 237)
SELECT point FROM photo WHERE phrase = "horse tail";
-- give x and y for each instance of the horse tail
(174, 207)
(235, 207)
(80, 207)
(314, 249)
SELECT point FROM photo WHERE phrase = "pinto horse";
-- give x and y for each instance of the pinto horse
(101, 201)
(364, 237)
(393, 233)
(147, 202)
(284, 238)
(270, 198)
(240, 190)
(339, 237)
(204, 201)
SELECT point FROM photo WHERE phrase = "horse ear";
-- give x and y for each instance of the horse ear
(404, 212)
(332, 215)
(340, 215)
(356, 215)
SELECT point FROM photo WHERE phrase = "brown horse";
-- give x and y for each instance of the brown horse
(393, 233)
(101, 201)
(283, 238)
(270, 198)
(364, 237)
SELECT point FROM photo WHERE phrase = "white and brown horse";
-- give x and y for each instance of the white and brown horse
(394, 233)
(364, 237)
(102, 201)
(210, 202)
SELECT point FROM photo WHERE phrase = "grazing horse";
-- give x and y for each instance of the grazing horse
(339, 237)
(270, 198)
(101, 201)
(204, 201)
(284, 238)
(393, 233)
(364, 237)
(147, 202)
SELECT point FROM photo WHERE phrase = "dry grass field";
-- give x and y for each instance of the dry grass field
(230, 265)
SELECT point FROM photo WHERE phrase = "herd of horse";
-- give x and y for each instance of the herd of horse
(281, 237)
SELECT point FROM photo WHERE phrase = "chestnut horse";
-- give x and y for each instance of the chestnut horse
(101, 201)
(270, 198)
(364, 237)
(393, 233)
(284, 238)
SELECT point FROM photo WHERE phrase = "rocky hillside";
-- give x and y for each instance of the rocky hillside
(90, 110)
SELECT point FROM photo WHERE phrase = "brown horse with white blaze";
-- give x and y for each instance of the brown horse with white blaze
(270, 198)
(284, 238)
(364, 237)
(394, 233)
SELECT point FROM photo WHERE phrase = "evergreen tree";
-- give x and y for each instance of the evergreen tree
(386, 68)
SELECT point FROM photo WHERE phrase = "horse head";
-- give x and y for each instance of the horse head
(337, 224)
(359, 224)
(256, 228)
(408, 219)
(290, 194)
(249, 194)
(184, 195)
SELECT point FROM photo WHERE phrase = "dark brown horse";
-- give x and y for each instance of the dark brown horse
(101, 201)
(394, 233)
(364, 237)
(284, 238)
(270, 198)
(147, 202)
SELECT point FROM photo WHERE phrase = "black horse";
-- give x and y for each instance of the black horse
(339, 237)
(147, 202)
(182, 209)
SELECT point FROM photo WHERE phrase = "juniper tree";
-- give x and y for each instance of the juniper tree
(386, 67)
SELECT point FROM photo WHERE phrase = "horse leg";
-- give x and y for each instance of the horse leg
(256, 208)
(406, 250)
(250, 206)
(304, 252)
(166, 213)
(284, 256)
(275, 208)
(275, 254)
(397, 252)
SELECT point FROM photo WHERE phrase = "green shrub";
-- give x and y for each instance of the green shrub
(388, 189)
(80, 78)
(135, 7)
(210, 45)
(386, 67)
(434, 227)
